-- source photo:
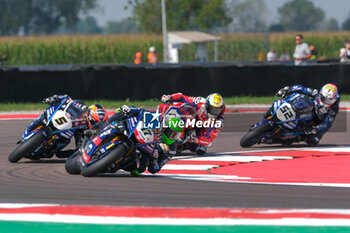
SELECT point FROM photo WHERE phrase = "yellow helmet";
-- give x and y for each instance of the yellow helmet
(214, 105)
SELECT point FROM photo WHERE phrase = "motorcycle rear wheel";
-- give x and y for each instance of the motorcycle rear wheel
(25, 148)
(253, 136)
(102, 164)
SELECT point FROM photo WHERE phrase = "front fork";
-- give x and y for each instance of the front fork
(48, 144)
(275, 130)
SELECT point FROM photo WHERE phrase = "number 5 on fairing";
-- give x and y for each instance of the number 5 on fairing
(61, 120)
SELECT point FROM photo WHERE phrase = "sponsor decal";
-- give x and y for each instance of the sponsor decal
(305, 115)
(68, 115)
(89, 148)
(107, 132)
(86, 158)
(44, 133)
(96, 140)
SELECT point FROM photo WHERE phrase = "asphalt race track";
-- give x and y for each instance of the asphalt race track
(47, 182)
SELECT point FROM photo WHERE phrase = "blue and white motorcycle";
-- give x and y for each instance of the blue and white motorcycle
(284, 123)
(51, 131)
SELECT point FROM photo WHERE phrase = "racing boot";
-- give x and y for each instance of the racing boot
(313, 139)
(190, 146)
(135, 173)
(113, 168)
(201, 150)
(141, 166)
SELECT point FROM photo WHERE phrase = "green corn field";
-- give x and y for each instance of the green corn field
(117, 49)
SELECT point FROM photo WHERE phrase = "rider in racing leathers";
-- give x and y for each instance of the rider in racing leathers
(165, 148)
(143, 153)
(154, 156)
(212, 107)
(93, 114)
(326, 107)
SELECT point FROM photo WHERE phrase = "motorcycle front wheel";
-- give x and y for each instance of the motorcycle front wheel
(103, 163)
(254, 135)
(25, 148)
(71, 165)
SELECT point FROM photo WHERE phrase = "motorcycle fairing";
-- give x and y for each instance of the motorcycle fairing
(68, 111)
(301, 108)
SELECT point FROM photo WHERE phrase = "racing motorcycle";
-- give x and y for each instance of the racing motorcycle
(52, 131)
(114, 146)
(183, 111)
(285, 122)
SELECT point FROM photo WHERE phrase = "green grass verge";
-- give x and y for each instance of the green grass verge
(111, 104)
(37, 227)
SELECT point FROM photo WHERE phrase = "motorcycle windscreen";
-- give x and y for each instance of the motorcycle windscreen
(77, 113)
(303, 107)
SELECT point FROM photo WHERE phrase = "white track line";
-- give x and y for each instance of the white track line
(189, 167)
(20, 205)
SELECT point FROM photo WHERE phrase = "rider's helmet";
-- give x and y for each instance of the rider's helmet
(96, 113)
(214, 105)
(328, 95)
(173, 131)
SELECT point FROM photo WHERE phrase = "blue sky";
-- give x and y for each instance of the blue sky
(114, 9)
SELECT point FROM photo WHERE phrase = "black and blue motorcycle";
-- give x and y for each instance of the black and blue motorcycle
(112, 146)
(284, 123)
(51, 131)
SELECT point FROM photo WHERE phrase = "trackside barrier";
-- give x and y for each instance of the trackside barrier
(144, 82)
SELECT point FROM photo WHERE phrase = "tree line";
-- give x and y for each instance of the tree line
(233, 16)
(42, 17)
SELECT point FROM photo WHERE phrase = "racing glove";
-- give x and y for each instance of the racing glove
(90, 132)
(284, 91)
(53, 100)
(125, 109)
(190, 136)
(165, 98)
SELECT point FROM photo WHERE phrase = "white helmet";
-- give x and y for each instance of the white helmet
(214, 105)
(152, 49)
(328, 95)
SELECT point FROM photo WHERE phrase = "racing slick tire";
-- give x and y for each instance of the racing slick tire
(253, 136)
(101, 164)
(25, 148)
(71, 164)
